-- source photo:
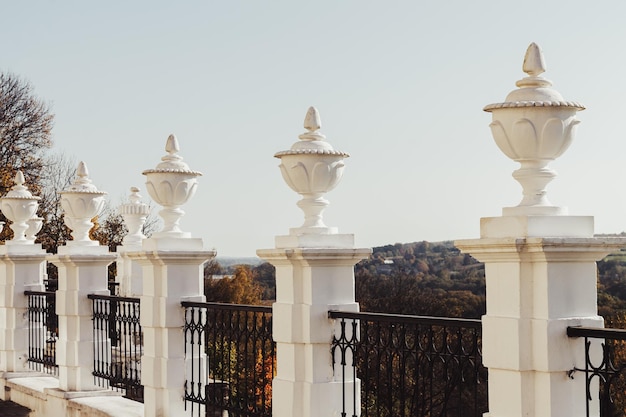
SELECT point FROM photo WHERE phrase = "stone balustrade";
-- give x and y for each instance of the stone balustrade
(540, 267)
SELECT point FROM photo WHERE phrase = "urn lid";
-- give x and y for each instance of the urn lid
(19, 190)
(534, 90)
(172, 162)
(312, 142)
(82, 183)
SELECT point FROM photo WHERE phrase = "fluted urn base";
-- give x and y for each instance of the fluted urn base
(534, 177)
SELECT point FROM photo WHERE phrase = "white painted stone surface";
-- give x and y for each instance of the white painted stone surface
(312, 168)
(82, 267)
(19, 205)
(536, 288)
(35, 224)
(80, 274)
(314, 274)
(129, 274)
(169, 277)
(81, 202)
(540, 265)
(22, 268)
(309, 282)
(42, 395)
(19, 272)
(171, 184)
(534, 126)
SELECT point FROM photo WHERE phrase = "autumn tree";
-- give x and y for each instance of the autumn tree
(241, 288)
(58, 173)
(265, 275)
(212, 268)
(25, 130)
(25, 134)
(108, 228)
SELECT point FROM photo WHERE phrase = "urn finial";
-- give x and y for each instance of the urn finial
(171, 184)
(171, 145)
(19, 205)
(134, 214)
(312, 121)
(534, 126)
(534, 63)
(312, 168)
(81, 202)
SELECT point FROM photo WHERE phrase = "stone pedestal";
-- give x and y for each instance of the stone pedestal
(129, 274)
(541, 278)
(82, 271)
(309, 282)
(22, 268)
(171, 273)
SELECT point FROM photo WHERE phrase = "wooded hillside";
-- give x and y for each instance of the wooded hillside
(422, 278)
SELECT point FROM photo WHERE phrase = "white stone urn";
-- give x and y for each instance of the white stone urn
(81, 202)
(134, 214)
(19, 205)
(35, 224)
(171, 184)
(534, 126)
(312, 168)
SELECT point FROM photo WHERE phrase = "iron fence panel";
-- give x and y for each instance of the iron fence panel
(118, 344)
(231, 359)
(605, 369)
(409, 365)
(43, 331)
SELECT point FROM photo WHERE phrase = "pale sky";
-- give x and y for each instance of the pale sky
(400, 85)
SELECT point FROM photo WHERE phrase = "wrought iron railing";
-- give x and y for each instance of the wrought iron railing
(231, 359)
(43, 331)
(605, 369)
(118, 344)
(409, 365)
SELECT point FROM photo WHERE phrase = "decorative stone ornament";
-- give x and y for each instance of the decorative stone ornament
(19, 205)
(81, 202)
(312, 168)
(534, 126)
(134, 214)
(171, 184)
(35, 224)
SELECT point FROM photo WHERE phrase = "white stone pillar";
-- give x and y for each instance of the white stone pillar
(82, 266)
(129, 274)
(536, 287)
(22, 268)
(540, 263)
(310, 281)
(169, 277)
(82, 271)
(314, 274)
(172, 263)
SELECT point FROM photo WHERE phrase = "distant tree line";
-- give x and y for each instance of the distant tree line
(420, 278)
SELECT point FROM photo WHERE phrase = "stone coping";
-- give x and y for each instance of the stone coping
(108, 406)
(34, 384)
(104, 403)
